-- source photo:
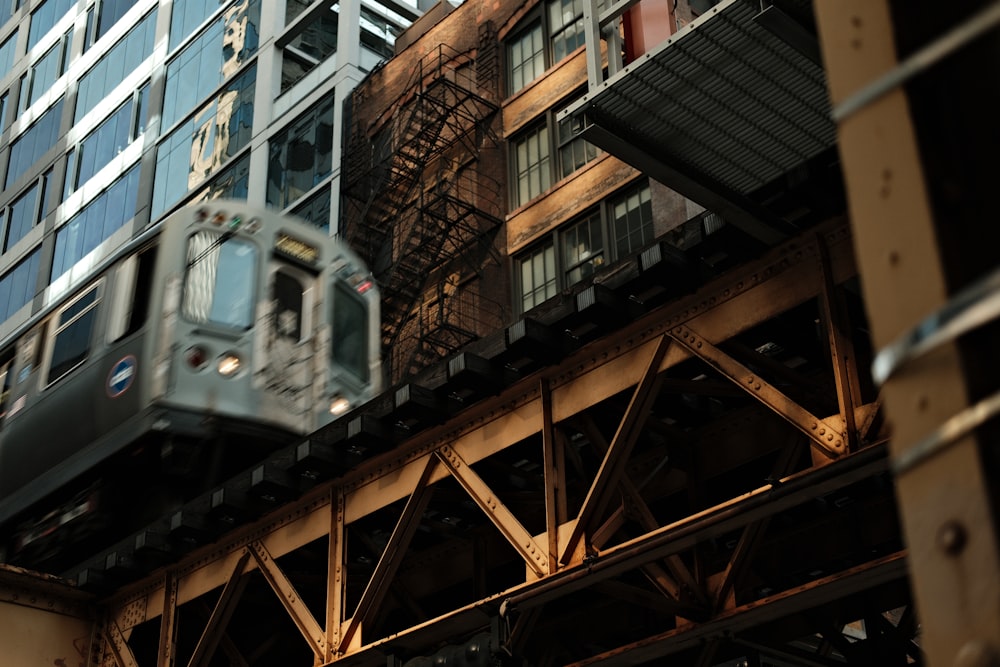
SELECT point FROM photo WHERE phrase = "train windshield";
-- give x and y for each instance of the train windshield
(350, 331)
(219, 285)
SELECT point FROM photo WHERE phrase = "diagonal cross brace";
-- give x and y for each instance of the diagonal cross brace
(825, 436)
(290, 599)
(533, 554)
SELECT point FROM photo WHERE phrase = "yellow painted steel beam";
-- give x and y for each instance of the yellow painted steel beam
(825, 435)
(392, 556)
(534, 555)
(290, 599)
(945, 502)
(219, 618)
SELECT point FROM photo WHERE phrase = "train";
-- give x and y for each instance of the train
(214, 337)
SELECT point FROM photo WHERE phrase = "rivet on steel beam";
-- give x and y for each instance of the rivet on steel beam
(822, 431)
(951, 538)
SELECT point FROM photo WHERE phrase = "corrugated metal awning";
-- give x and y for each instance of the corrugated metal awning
(720, 109)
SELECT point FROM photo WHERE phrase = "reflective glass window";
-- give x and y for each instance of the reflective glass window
(95, 222)
(7, 8)
(34, 142)
(109, 13)
(106, 141)
(574, 150)
(187, 15)
(197, 148)
(315, 42)
(44, 73)
(316, 210)
(25, 213)
(17, 286)
(233, 182)
(219, 283)
(215, 55)
(301, 155)
(45, 17)
(123, 58)
(7, 52)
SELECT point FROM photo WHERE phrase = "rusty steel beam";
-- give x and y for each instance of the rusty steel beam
(732, 304)
(392, 556)
(219, 618)
(807, 596)
(946, 503)
(613, 464)
(501, 517)
(118, 644)
(166, 655)
(825, 435)
(290, 599)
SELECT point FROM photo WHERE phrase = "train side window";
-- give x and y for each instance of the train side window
(132, 294)
(350, 331)
(288, 306)
(220, 279)
(71, 341)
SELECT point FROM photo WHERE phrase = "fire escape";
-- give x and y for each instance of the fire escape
(422, 213)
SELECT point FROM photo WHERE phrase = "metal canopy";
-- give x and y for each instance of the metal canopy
(722, 108)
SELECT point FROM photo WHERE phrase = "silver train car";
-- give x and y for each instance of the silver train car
(215, 336)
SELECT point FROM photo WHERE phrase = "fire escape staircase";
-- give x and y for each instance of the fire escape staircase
(419, 205)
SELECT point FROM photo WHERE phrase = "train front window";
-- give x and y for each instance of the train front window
(219, 285)
(350, 331)
(71, 343)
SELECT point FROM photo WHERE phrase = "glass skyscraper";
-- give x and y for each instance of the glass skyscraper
(116, 112)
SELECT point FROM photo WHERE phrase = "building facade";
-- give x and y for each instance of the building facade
(115, 112)
(469, 110)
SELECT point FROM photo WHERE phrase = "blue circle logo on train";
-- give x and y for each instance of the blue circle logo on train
(121, 376)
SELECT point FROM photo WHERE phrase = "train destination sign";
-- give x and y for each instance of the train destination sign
(296, 249)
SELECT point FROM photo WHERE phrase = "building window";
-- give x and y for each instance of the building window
(7, 51)
(98, 220)
(209, 138)
(120, 60)
(17, 286)
(577, 250)
(582, 247)
(33, 143)
(525, 58)
(45, 72)
(314, 41)
(25, 212)
(187, 15)
(211, 58)
(109, 139)
(7, 9)
(45, 17)
(301, 155)
(316, 210)
(101, 16)
(532, 172)
(573, 150)
(632, 220)
(233, 182)
(537, 275)
(552, 34)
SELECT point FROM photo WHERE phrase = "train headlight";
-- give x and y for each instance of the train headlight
(229, 364)
(339, 405)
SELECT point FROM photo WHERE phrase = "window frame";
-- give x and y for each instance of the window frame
(539, 17)
(608, 252)
(56, 327)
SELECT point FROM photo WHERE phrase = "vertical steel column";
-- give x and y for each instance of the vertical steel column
(944, 500)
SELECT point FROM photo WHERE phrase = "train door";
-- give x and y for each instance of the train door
(287, 362)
